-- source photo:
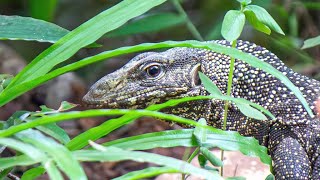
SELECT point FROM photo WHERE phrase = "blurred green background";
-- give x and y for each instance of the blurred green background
(300, 20)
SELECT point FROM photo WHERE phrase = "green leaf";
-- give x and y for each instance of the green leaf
(17, 118)
(236, 178)
(148, 23)
(215, 138)
(5, 79)
(202, 160)
(33, 173)
(82, 36)
(44, 110)
(270, 177)
(200, 133)
(210, 157)
(65, 106)
(209, 168)
(162, 139)
(2, 126)
(4, 173)
(116, 154)
(27, 149)
(254, 21)
(246, 109)
(250, 111)
(312, 42)
(9, 94)
(210, 86)
(219, 138)
(53, 171)
(44, 10)
(55, 131)
(265, 18)
(232, 25)
(26, 28)
(57, 152)
(50, 129)
(91, 113)
(244, 2)
(22, 160)
(146, 173)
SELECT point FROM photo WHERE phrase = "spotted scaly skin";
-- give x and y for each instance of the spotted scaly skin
(292, 139)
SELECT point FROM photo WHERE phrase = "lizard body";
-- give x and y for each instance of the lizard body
(292, 139)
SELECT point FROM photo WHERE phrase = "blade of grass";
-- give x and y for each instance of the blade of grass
(21, 160)
(146, 173)
(82, 36)
(117, 154)
(215, 138)
(59, 154)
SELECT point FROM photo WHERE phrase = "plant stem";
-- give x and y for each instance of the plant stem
(193, 30)
(194, 154)
(225, 114)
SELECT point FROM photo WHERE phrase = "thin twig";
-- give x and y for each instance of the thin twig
(193, 30)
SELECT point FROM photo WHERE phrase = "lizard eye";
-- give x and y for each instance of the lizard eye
(153, 70)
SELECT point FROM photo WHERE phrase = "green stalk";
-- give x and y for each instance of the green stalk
(193, 30)
(225, 114)
(193, 155)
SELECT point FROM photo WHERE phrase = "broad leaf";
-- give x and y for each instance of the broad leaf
(211, 157)
(245, 108)
(210, 86)
(202, 160)
(270, 177)
(244, 2)
(254, 21)
(250, 112)
(265, 18)
(232, 25)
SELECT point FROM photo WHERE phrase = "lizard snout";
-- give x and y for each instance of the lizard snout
(102, 91)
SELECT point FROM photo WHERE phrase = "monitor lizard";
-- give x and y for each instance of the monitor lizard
(292, 138)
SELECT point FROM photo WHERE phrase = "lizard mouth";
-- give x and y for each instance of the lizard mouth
(117, 100)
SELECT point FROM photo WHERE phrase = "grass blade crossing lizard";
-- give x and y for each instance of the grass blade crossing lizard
(292, 139)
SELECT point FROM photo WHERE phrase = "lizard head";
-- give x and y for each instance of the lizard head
(149, 78)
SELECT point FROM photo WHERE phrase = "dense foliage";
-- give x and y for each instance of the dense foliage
(46, 148)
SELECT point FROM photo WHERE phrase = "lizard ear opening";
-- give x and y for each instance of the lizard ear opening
(195, 79)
